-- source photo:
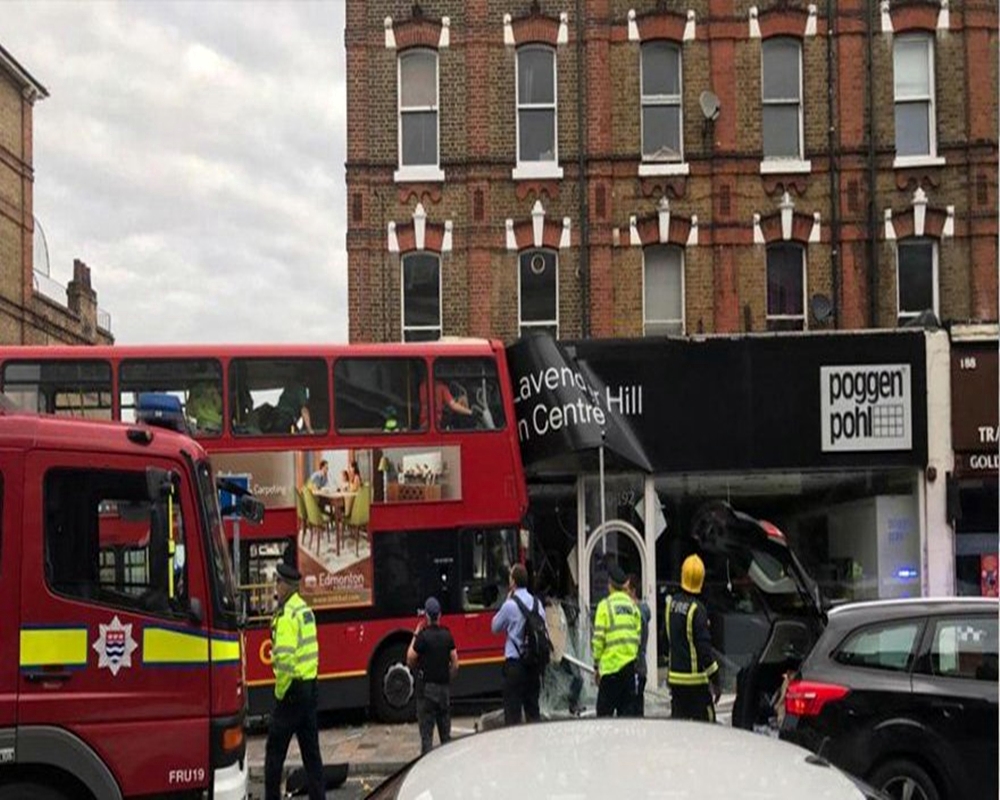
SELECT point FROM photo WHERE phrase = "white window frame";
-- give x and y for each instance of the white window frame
(417, 172)
(522, 326)
(528, 170)
(403, 327)
(650, 166)
(804, 317)
(683, 318)
(930, 158)
(903, 316)
(785, 165)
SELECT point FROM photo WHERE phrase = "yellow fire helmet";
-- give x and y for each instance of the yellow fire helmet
(692, 574)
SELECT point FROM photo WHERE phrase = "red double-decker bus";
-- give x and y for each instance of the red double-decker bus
(390, 473)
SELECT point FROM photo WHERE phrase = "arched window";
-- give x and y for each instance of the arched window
(913, 70)
(786, 287)
(781, 93)
(536, 105)
(662, 137)
(418, 112)
(421, 295)
(538, 291)
(662, 290)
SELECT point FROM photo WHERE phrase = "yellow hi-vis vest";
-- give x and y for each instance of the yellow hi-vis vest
(294, 648)
(617, 626)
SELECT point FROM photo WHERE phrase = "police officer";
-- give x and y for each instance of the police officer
(295, 660)
(615, 645)
(693, 675)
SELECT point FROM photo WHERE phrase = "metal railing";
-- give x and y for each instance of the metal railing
(47, 287)
(103, 319)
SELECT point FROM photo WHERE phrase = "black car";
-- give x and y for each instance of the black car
(903, 693)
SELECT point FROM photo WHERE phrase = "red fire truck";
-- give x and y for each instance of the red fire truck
(122, 671)
(390, 472)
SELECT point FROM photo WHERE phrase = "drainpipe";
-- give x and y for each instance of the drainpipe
(582, 182)
(834, 155)
(872, 175)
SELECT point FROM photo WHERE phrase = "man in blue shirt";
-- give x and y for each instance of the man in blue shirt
(320, 479)
(521, 684)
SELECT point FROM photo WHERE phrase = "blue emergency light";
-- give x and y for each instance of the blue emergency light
(161, 410)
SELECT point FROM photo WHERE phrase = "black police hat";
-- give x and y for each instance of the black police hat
(288, 573)
(617, 575)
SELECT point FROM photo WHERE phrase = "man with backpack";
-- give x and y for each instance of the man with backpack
(615, 645)
(526, 650)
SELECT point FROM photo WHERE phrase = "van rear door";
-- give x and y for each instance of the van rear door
(110, 651)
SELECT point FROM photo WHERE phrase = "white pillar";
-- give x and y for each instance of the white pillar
(939, 569)
(650, 504)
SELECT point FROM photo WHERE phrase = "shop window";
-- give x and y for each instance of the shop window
(661, 102)
(418, 111)
(487, 556)
(421, 281)
(538, 290)
(786, 287)
(537, 149)
(663, 290)
(782, 98)
(916, 278)
(965, 647)
(913, 81)
(196, 383)
(106, 543)
(887, 647)
(66, 388)
(375, 395)
(274, 397)
(467, 394)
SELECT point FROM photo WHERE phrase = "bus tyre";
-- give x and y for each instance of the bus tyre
(392, 686)
(36, 791)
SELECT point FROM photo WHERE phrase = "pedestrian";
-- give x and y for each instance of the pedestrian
(693, 674)
(634, 588)
(615, 645)
(295, 661)
(521, 682)
(433, 656)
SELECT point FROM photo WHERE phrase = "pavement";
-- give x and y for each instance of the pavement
(374, 750)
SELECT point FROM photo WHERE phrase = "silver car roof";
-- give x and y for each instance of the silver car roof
(630, 758)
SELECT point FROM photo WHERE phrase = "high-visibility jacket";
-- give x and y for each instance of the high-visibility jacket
(691, 660)
(616, 633)
(294, 648)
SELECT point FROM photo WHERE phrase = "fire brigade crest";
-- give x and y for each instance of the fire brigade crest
(114, 646)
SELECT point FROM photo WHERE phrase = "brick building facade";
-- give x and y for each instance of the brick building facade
(689, 179)
(27, 316)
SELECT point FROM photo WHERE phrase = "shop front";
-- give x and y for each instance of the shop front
(974, 495)
(824, 435)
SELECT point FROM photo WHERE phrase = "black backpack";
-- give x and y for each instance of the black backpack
(536, 650)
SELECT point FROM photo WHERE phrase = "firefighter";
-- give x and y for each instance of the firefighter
(295, 660)
(693, 675)
(617, 625)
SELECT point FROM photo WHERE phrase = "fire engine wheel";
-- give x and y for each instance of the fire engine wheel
(392, 686)
(21, 789)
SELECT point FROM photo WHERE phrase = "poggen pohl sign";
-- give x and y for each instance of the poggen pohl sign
(866, 407)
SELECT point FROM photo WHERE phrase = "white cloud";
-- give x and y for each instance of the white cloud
(192, 154)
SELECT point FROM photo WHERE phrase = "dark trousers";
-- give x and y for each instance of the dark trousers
(434, 708)
(639, 710)
(294, 714)
(692, 702)
(521, 687)
(616, 693)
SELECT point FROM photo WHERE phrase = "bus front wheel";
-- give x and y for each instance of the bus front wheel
(392, 686)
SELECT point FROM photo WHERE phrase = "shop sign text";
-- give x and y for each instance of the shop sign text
(866, 407)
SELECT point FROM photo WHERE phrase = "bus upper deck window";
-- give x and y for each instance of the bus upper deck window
(66, 388)
(467, 394)
(195, 383)
(278, 396)
(380, 395)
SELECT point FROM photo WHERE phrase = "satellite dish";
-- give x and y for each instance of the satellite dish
(710, 105)
(821, 307)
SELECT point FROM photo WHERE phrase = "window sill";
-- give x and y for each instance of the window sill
(423, 174)
(785, 166)
(652, 168)
(902, 162)
(537, 170)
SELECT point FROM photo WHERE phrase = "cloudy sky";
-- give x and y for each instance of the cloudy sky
(192, 154)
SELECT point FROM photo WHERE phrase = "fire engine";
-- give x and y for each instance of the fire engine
(121, 660)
